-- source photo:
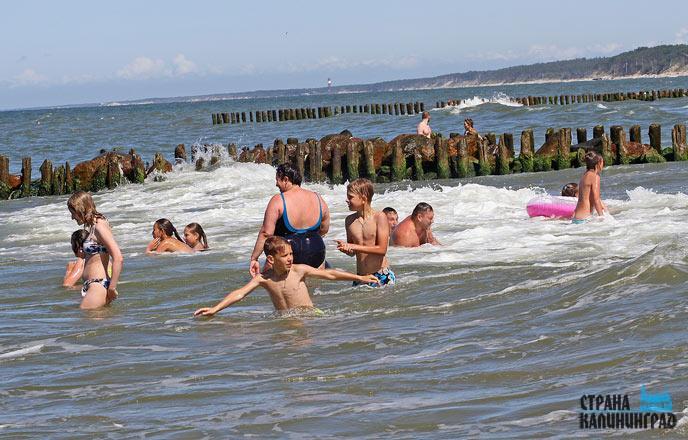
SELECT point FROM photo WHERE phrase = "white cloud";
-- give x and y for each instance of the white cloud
(183, 65)
(332, 63)
(682, 36)
(29, 77)
(550, 52)
(142, 68)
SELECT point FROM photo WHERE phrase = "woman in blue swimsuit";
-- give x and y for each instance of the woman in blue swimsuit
(299, 215)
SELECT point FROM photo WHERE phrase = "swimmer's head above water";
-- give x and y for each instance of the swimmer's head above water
(359, 194)
(593, 161)
(392, 216)
(287, 174)
(570, 190)
(278, 253)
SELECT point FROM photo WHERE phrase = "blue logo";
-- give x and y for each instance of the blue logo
(660, 402)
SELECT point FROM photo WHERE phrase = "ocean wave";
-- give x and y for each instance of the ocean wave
(497, 98)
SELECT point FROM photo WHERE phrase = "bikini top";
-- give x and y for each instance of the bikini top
(283, 227)
(91, 246)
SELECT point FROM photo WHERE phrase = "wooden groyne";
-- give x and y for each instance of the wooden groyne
(339, 157)
(106, 171)
(645, 95)
(336, 158)
(297, 114)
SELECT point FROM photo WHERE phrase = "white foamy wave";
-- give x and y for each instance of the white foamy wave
(602, 106)
(21, 352)
(497, 98)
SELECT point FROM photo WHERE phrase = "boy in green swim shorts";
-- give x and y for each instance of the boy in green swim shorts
(284, 281)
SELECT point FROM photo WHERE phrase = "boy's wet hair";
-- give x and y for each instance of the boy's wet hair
(362, 187)
(570, 190)
(421, 208)
(287, 170)
(275, 244)
(78, 239)
(389, 209)
(592, 159)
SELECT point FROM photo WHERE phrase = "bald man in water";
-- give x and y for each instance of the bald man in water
(415, 230)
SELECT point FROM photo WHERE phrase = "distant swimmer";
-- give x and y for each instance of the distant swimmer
(194, 237)
(589, 190)
(299, 215)
(423, 128)
(367, 234)
(570, 190)
(166, 239)
(468, 128)
(392, 217)
(416, 229)
(284, 280)
(98, 247)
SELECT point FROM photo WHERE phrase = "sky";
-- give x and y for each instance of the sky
(76, 52)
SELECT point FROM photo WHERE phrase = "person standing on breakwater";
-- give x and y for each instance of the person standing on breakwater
(415, 230)
(99, 289)
(423, 128)
(589, 190)
(468, 127)
(367, 234)
(299, 215)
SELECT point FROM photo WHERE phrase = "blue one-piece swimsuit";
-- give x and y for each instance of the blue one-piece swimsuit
(307, 244)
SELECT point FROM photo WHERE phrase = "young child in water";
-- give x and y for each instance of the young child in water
(284, 281)
(589, 190)
(195, 238)
(163, 241)
(367, 234)
(570, 190)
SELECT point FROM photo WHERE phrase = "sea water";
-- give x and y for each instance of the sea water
(496, 333)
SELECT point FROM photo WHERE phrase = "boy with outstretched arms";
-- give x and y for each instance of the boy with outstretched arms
(284, 281)
(367, 234)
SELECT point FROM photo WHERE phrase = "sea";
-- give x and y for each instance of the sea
(497, 333)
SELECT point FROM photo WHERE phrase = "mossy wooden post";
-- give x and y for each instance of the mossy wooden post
(548, 134)
(232, 151)
(484, 168)
(4, 170)
(315, 161)
(621, 149)
(369, 158)
(114, 176)
(281, 151)
(336, 178)
(214, 116)
(442, 157)
(615, 138)
(45, 187)
(581, 135)
(678, 142)
(526, 154)
(634, 134)
(26, 177)
(418, 173)
(491, 139)
(228, 118)
(509, 143)
(301, 151)
(655, 133)
(180, 153)
(597, 131)
(503, 157)
(69, 179)
(138, 169)
(398, 163)
(59, 181)
(352, 159)
(607, 149)
(258, 119)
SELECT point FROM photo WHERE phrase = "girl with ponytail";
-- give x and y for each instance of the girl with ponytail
(166, 238)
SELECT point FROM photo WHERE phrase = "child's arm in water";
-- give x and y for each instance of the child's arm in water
(74, 271)
(599, 206)
(332, 274)
(231, 298)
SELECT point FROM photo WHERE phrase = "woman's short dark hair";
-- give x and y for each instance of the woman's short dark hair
(291, 173)
(592, 159)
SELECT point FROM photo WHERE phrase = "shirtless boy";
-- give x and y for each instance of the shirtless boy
(415, 229)
(284, 281)
(367, 234)
(589, 190)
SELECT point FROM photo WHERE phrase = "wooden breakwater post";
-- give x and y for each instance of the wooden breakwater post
(369, 158)
(655, 134)
(527, 150)
(442, 157)
(45, 185)
(581, 135)
(5, 187)
(678, 142)
(634, 134)
(617, 136)
(26, 177)
(398, 162)
(352, 159)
